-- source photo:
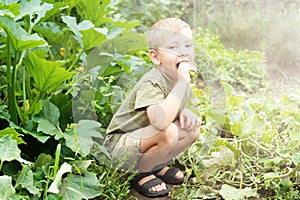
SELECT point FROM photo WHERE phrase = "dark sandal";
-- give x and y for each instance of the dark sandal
(170, 176)
(144, 189)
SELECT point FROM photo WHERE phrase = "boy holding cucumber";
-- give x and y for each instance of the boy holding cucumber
(152, 125)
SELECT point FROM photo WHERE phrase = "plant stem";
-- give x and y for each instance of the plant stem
(14, 79)
(47, 183)
(56, 162)
(10, 77)
(76, 60)
(1, 164)
(24, 91)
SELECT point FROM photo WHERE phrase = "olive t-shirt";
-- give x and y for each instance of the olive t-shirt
(151, 89)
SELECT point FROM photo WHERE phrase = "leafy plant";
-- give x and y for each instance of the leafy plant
(66, 66)
(48, 155)
(244, 70)
(252, 160)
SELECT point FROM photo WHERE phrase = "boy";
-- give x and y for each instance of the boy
(152, 125)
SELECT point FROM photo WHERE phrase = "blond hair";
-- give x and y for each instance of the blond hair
(163, 28)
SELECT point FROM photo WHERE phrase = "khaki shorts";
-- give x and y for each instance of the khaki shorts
(127, 150)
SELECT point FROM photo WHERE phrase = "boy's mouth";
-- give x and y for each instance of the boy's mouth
(177, 65)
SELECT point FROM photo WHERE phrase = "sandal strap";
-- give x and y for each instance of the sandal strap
(153, 182)
(144, 189)
(172, 171)
(170, 176)
(140, 176)
(159, 167)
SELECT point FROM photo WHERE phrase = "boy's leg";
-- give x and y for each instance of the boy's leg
(162, 146)
(155, 147)
(158, 147)
(186, 138)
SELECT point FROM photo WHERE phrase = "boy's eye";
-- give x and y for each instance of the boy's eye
(188, 45)
(172, 47)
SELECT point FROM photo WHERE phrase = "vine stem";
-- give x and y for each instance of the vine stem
(1, 164)
(75, 61)
(281, 176)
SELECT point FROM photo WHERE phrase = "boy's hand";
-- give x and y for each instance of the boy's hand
(189, 120)
(184, 69)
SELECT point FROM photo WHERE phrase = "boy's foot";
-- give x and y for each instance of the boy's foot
(150, 186)
(170, 175)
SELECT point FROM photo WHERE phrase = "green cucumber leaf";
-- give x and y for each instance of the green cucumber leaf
(15, 135)
(80, 137)
(6, 189)
(9, 150)
(85, 33)
(25, 180)
(20, 39)
(231, 193)
(55, 185)
(81, 187)
(47, 75)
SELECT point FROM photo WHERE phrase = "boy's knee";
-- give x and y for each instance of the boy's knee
(196, 135)
(171, 134)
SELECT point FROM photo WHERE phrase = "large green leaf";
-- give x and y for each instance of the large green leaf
(45, 126)
(47, 75)
(80, 166)
(34, 10)
(48, 120)
(11, 8)
(72, 25)
(21, 40)
(39, 136)
(38, 12)
(98, 12)
(93, 10)
(9, 149)
(81, 187)
(15, 135)
(6, 189)
(25, 180)
(231, 193)
(54, 187)
(50, 30)
(80, 137)
(51, 112)
(85, 33)
(92, 37)
(104, 54)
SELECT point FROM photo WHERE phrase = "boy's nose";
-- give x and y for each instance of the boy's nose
(182, 51)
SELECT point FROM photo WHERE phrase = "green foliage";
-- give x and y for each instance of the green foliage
(7, 189)
(244, 70)
(47, 75)
(245, 153)
(10, 150)
(44, 46)
(115, 183)
(65, 67)
(148, 12)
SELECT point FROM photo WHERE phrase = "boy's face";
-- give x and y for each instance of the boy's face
(175, 48)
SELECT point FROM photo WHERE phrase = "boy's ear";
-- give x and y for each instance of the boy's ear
(154, 57)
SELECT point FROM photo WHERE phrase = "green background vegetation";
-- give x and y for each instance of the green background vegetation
(65, 66)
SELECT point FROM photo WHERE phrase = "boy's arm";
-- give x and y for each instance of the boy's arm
(163, 114)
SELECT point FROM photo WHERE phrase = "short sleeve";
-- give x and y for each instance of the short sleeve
(148, 94)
